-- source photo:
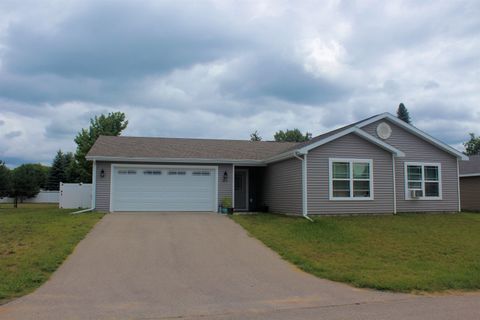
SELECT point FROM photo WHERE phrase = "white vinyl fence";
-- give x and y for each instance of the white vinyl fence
(43, 196)
(75, 195)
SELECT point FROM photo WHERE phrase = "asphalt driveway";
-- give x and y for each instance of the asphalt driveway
(204, 266)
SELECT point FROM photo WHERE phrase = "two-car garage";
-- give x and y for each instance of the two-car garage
(163, 188)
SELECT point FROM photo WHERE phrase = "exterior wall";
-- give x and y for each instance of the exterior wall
(354, 147)
(417, 149)
(102, 196)
(225, 188)
(282, 187)
(470, 193)
(102, 190)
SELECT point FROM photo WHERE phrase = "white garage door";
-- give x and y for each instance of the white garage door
(163, 189)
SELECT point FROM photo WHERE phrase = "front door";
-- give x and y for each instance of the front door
(241, 190)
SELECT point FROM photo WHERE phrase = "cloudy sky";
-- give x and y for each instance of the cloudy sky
(222, 69)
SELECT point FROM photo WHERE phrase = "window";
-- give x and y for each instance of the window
(175, 173)
(422, 181)
(351, 179)
(200, 173)
(152, 172)
(127, 172)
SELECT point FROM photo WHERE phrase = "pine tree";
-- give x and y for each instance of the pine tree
(402, 113)
(5, 180)
(57, 172)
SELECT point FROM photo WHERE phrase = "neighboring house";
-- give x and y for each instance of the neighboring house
(377, 165)
(470, 183)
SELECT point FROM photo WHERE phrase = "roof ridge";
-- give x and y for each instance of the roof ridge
(200, 139)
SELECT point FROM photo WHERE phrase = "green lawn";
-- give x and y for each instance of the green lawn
(34, 241)
(406, 252)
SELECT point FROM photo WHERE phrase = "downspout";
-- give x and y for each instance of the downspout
(458, 189)
(94, 190)
(304, 185)
(394, 186)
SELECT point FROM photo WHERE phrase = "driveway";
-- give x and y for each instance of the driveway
(204, 266)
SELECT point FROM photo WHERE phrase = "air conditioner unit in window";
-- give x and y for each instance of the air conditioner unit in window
(415, 194)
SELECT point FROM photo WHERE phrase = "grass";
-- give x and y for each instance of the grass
(34, 241)
(403, 253)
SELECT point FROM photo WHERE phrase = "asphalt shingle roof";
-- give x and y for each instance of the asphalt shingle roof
(471, 166)
(173, 148)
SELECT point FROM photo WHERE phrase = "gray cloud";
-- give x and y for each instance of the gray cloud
(13, 134)
(122, 40)
(282, 79)
(430, 85)
(225, 69)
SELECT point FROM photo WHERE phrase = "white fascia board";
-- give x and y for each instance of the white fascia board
(178, 160)
(326, 140)
(466, 175)
(415, 131)
(358, 132)
(282, 156)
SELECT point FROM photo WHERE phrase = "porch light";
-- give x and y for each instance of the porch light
(102, 173)
(225, 176)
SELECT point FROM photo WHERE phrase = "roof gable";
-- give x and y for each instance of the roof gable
(340, 132)
(415, 131)
(357, 131)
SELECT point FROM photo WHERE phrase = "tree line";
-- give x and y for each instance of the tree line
(26, 180)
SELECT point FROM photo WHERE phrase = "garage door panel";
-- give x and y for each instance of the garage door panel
(192, 191)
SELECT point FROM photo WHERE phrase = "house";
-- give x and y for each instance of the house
(377, 165)
(470, 183)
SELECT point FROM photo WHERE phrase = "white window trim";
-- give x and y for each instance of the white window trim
(423, 164)
(351, 161)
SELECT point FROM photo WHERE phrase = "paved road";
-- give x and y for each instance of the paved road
(204, 266)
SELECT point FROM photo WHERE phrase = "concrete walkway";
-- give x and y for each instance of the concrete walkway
(204, 266)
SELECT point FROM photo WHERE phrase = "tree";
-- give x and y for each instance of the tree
(255, 136)
(108, 125)
(294, 135)
(27, 180)
(57, 172)
(70, 168)
(5, 180)
(472, 146)
(402, 113)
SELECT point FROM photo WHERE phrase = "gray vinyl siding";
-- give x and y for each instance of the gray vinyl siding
(353, 147)
(470, 193)
(283, 186)
(102, 196)
(225, 188)
(419, 150)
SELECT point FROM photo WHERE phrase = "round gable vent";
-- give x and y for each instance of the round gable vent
(384, 131)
